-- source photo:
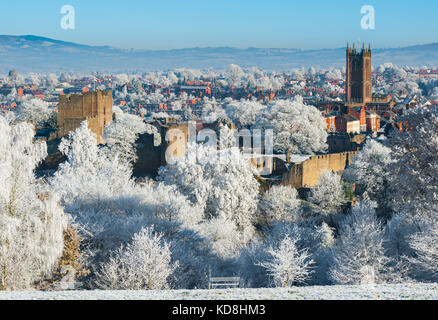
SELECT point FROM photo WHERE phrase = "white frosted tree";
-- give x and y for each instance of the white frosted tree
(425, 247)
(370, 171)
(31, 221)
(212, 110)
(329, 193)
(269, 82)
(225, 238)
(334, 74)
(35, 111)
(81, 148)
(34, 78)
(234, 75)
(313, 236)
(298, 74)
(359, 254)
(298, 128)
(52, 79)
(188, 176)
(13, 95)
(88, 172)
(121, 78)
(287, 264)
(120, 135)
(144, 264)
(413, 188)
(228, 138)
(220, 182)
(243, 113)
(280, 203)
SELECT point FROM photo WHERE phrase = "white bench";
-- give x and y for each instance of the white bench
(224, 283)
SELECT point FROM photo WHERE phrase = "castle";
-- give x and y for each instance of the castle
(94, 106)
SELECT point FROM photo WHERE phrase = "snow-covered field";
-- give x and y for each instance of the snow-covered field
(377, 292)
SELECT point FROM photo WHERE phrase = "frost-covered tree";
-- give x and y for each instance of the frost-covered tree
(144, 264)
(221, 182)
(280, 203)
(359, 255)
(425, 247)
(212, 110)
(370, 171)
(243, 113)
(398, 231)
(188, 74)
(329, 193)
(234, 75)
(269, 82)
(86, 162)
(228, 138)
(298, 74)
(35, 111)
(314, 236)
(52, 80)
(34, 79)
(13, 95)
(413, 188)
(31, 221)
(225, 237)
(298, 128)
(233, 189)
(120, 135)
(334, 74)
(188, 115)
(121, 78)
(434, 93)
(288, 265)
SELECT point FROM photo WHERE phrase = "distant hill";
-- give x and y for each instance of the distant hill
(38, 54)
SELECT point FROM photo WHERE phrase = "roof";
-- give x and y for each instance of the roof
(349, 117)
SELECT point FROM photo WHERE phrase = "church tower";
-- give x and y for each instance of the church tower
(358, 86)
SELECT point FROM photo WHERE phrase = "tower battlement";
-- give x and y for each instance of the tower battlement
(356, 52)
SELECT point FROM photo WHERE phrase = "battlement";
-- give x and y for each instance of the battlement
(355, 52)
(86, 104)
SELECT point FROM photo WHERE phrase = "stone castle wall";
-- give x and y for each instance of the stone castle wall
(306, 174)
(150, 157)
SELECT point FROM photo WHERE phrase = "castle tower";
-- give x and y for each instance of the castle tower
(94, 106)
(358, 86)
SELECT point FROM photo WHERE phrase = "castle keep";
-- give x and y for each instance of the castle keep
(95, 107)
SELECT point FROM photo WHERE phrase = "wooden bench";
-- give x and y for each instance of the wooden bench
(224, 283)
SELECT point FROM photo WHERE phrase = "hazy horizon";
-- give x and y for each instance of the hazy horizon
(358, 45)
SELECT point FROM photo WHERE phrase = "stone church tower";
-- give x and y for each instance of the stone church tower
(358, 87)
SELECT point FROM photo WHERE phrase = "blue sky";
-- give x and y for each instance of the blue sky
(168, 24)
